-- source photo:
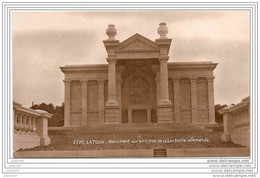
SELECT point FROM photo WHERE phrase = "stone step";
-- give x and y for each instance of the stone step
(129, 128)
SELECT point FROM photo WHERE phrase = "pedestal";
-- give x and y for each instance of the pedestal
(164, 114)
(112, 114)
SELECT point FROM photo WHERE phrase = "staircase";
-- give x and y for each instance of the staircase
(134, 128)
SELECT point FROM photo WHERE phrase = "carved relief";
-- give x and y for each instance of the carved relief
(136, 45)
(138, 87)
(139, 66)
(139, 91)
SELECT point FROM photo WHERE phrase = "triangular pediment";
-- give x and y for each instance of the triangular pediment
(137, 43)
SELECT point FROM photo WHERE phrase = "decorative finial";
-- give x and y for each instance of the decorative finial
(111, 32)
(162, 30)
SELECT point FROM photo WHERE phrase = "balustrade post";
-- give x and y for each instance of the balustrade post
(30, 128)
(33, 125)
(20, 123)
(42, 128)
(25, 126)
(16, 115)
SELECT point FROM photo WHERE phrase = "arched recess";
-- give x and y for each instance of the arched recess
(138, 88)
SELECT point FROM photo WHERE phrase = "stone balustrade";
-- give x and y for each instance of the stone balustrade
(236, 119)
(30, 127)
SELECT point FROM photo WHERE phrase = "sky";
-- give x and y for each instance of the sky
(44, 41)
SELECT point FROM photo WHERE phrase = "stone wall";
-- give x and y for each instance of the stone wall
(189, 91)
(30, 127)
(236, 120)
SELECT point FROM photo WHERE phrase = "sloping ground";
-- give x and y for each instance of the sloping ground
(67, 140)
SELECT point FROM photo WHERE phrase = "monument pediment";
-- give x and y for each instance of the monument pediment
(137, 43)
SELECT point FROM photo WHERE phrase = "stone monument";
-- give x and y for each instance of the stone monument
(139, 85)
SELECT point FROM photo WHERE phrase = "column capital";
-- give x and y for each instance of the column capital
(163, 58)
(84, 81)
(111, 60)
(176, 79)
(101, 81)
(66, 81)
(210, 78)
(149, 109)
(193, 79)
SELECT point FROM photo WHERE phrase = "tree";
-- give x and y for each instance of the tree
(57, 112)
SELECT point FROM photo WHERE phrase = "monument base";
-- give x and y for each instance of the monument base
(164, 114)
(112, 115)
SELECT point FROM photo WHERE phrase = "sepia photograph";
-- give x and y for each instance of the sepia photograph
(131, 84)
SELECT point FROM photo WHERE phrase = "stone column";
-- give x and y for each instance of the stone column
(101, 100)
(157, 79)
(84, 102)
(164, 113)
(118, 89)
(211, 103)
(67, 104)
(149, 115)
(176, 90)
(129, 112)
(112, 109)
(111, 82)
(194, 114)
(164, 94)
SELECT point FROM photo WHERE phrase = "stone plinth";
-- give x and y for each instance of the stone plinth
(112, 115)
(164, 114)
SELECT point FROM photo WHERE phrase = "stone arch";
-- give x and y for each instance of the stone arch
(138, 89)
(143, 92)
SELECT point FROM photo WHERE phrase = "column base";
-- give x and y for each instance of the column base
(194, 116)
(164, 114)
(165, 102)
(212, 123)
(112, 115)
(112, 103)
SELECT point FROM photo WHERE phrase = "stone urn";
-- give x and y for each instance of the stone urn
(111, 32)
(162, 30)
